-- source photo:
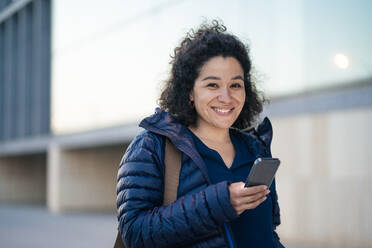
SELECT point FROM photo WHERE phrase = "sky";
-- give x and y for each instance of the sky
(109, 58)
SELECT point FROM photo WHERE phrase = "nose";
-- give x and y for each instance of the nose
(224, 96)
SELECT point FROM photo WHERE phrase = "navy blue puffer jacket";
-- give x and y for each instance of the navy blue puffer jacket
(199, 215)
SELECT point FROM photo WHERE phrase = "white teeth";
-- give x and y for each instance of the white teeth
(222, 110)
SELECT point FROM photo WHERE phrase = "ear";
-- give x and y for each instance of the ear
(191, 95)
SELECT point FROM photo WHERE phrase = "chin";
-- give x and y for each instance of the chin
(224, 125)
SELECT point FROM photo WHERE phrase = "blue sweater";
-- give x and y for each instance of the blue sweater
(253, 228)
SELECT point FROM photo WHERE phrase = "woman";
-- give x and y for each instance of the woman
(208, 99)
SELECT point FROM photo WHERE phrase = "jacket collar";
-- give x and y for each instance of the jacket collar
(162, 123)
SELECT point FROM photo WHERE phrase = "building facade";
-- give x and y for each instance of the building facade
(70, 76)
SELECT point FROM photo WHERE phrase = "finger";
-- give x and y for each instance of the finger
(253, 190)
(249, 206)
(254, 204)
(255, 197)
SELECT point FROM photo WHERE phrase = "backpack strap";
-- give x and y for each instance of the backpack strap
(119, 242)
(172, 161)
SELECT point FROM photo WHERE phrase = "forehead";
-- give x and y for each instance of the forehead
(220, 66)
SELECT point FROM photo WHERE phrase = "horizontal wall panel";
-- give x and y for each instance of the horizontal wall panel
(356, 95)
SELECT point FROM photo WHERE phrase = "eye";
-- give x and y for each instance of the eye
(212, 85)
(236, 85)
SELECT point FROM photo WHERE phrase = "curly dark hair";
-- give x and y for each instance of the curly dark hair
(195, 50)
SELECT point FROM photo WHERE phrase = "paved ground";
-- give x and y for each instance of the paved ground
(36, 227)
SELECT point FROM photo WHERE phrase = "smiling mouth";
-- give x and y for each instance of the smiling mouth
(222, 111)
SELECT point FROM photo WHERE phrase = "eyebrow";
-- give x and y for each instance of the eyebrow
(217, 78)
(238, 77)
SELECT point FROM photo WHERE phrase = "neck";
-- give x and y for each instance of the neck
(215, 135)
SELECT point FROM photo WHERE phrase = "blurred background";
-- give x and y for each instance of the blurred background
(76, 77)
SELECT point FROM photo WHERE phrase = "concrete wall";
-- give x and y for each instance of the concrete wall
(23, 179)
(324, 182)
(74, 172)
(83, 179)
(63, 179)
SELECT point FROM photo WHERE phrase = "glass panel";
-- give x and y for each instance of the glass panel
(109, 59)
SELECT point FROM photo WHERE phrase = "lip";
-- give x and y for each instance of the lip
(230, 110)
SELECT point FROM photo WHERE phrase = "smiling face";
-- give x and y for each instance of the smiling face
(219, 93)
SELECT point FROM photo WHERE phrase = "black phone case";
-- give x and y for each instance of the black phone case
(262, 172)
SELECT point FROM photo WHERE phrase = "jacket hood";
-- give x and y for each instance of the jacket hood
(161, 122)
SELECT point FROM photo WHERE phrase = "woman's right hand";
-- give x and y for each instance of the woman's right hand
(243, 198)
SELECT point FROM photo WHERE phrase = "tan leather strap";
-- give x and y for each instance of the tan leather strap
(119, 242)
(172, 161)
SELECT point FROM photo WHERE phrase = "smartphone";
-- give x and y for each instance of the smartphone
(262, 172)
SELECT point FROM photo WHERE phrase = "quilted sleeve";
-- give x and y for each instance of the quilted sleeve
(144, 222)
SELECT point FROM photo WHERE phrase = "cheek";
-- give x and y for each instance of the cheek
(201, 106)
(240, 97)
(243, 98)
(202, 99)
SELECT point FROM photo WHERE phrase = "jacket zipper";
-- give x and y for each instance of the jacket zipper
(228, 236)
